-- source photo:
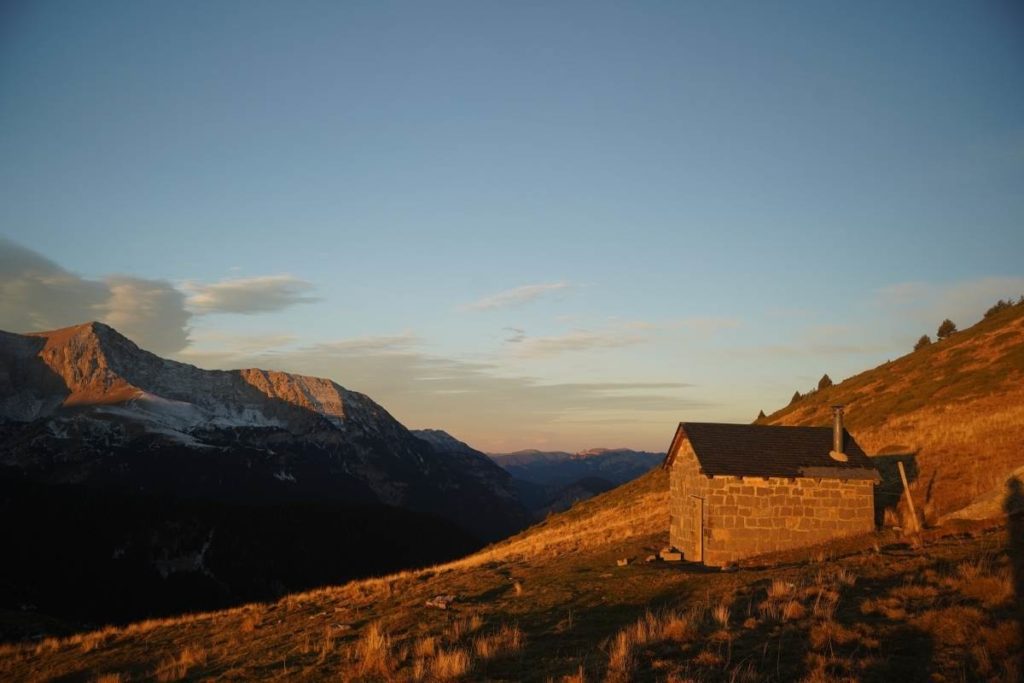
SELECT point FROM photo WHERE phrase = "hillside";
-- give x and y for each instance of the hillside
(956, 405)
(552, 603)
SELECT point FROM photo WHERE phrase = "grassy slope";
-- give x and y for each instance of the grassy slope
(551, 602)
(957, 404)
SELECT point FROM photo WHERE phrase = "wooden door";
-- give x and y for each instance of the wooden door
(697, 525)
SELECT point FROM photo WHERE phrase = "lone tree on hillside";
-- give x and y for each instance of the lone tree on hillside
(946, 329)
(924, 341)
(796, 397)
(825, 382)
(761, 415)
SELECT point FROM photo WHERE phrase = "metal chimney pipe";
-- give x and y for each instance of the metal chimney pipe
(837, 429)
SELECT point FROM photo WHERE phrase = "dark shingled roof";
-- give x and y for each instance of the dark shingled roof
(744, 450)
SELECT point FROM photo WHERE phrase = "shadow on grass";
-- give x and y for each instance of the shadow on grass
(557, 648)
(1014, 507)
(889, 491)
(906, 657)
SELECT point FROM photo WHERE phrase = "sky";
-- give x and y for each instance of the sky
(551, 225)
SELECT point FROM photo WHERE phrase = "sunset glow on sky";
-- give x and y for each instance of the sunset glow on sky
(534, 225)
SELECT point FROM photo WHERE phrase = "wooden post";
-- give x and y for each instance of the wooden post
(910, 500)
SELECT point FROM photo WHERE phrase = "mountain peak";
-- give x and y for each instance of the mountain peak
(92, 364)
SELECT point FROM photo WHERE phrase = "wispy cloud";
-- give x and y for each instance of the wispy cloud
(577, 340)
(515, 334)
(708, 326)
(476, 400)
(37, 294)
(515, 297)
(264, 294)
(371, 344)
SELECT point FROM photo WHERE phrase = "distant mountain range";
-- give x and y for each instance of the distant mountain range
(244, 482)
(136, 486)
(551, 481)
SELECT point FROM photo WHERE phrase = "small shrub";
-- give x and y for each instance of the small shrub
(779, 588)
(678, 629)
(249, 623)
(825, 382)
(504, 640)
(924, 341)
(177, 668)
(845, 577)
(793, 611)
(721, 615)
(374, 651)
(450, 664)
(425, 647)
(946, 329)
(771, 610)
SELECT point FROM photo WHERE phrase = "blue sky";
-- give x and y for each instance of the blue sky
(533, 224)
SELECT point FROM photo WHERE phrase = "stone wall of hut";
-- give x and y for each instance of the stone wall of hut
(746, 516)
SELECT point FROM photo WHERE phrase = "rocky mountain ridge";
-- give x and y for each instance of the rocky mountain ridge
(71, 398)
(143, 485)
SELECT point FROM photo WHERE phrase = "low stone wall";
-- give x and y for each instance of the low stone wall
(747, 516)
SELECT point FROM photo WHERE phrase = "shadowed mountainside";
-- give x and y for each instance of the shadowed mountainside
(552, 481)
(208, 488)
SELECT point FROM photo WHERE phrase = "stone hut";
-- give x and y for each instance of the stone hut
(739, 490)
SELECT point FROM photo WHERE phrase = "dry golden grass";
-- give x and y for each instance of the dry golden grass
(373, 652)
(634, 509)
(530, 607)
(959, 406)
(177, 668)
(504, 640)
(425, 648)
(450, 664)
